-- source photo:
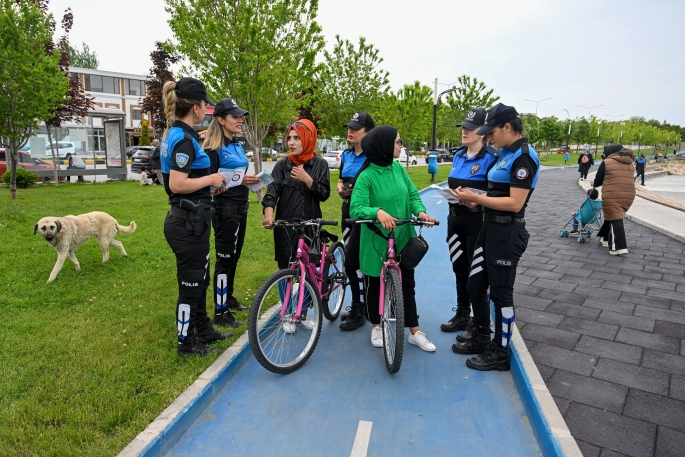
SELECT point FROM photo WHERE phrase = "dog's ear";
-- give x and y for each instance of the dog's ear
(59, 225)
(35, 228)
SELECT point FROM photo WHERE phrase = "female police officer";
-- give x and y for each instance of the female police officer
(187, 179)
(470, 169)
(230, 206)
(503, 238)
(351, 162)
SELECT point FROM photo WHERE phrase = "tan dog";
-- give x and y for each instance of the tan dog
(67, 233)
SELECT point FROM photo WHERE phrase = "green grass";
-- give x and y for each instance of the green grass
(90, 359)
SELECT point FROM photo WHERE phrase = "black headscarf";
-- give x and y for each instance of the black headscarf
(611, 149)
(379, 145)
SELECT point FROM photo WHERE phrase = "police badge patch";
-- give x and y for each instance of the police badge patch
(182, 159)
(522, 173)
(475, 168)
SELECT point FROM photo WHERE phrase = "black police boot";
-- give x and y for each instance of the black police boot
(356, 318)
(458, 322)
(195, 347)
(235, 305)
(467, 333)
(207, 334)
(348, 311)
(226, 319)
(476, 345)
(493, 357)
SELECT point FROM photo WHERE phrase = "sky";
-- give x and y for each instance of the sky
(625, 55)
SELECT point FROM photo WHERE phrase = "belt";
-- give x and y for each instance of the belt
(190, 216)
(231, 210)
(456, 210)
(502, 219)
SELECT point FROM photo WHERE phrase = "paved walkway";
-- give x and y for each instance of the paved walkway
(607, 333)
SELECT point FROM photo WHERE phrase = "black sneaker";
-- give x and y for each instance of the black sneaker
(476, 345)
(458, 322)
(235, 305)
(195, 348)
(467, 333)
(356, 319)
(492, 358)
(226, 319)
(207, 334)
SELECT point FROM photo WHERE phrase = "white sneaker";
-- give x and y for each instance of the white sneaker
(419, 339)
(288, 325)
(376, 337)
(307, 323)
(605, 244)
(619, 252)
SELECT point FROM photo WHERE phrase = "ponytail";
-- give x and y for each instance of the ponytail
(174, 106)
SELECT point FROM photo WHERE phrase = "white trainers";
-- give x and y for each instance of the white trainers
(619, 252)
(419, 339)
(605, 244)
(289, 327)
(307, 323)
(376, 337)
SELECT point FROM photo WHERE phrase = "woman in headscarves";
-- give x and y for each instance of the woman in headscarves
(301, 183)
(585, 162)
(615, 176)
(384, 191)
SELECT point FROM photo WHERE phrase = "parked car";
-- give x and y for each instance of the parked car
(270, 151)
(333, 159)
(62, 148)
(25, 161)
(403, 157)
(141, 158)
(564, 150)
(443, 155)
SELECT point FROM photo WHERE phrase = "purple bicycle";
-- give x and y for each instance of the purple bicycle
(285, 318)
(390, 298)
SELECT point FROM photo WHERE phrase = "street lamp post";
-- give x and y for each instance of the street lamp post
(568, 136)
(436, 101)
(589, 109)
(597, 143)
(537, 102)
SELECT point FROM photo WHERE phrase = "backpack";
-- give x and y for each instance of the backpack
(584, 159)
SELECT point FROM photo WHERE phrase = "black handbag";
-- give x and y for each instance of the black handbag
(413, 252)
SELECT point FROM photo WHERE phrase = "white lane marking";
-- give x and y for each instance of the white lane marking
(361, 441)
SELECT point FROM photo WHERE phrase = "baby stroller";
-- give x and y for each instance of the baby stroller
(586, 219)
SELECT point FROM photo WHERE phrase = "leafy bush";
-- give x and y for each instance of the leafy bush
(25, 179)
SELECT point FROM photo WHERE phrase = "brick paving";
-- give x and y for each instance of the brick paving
(607, 333)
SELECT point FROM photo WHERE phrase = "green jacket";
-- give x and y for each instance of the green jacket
(390, 189)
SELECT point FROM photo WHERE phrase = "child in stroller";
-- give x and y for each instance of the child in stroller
(586, 219)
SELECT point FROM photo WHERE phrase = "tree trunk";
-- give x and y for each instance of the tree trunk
(13, 171)
(54, 159)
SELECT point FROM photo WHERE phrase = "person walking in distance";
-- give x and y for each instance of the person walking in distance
(640, 168)
(351, 162)
(585, 162)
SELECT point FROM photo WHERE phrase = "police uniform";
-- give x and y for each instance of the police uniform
(500, 244)
(350, 165)
(186, 229)
(229, 222)
(640, 168)
(464, 223)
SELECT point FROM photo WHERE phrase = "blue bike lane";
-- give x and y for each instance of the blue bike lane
(343, 401)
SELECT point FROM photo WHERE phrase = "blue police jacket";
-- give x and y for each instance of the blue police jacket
(231, 155)
(350, 164)
(472, 172)
(517, 166)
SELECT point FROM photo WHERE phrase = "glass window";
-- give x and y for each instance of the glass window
(110, 85)
(134, 87)
(135, 114)
(93, 83)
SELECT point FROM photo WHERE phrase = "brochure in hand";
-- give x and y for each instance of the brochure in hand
(264, 180)
(444, 191)
(233, 176)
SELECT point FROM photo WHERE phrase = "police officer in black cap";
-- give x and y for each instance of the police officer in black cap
(230, 206)
(470, 168)
(351, 162)
(187, 181)
(502, 240)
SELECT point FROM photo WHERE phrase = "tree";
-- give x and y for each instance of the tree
(33, 85)
(262, 54)
(531, 127)
(76, 102)
(350, 80)
(144, 133)
(581, 131)
(83, 58)
(159, 74)
(469, 93)
(550, 129)
(414, 108)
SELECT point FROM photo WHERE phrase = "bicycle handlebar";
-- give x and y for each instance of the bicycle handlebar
(317, 222)
(411, 220)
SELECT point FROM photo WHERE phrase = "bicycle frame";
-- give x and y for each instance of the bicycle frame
(390, 264)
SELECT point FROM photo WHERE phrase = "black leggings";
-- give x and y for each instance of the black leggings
(616, 235)
(462, 233)
(351, 238)
(229, 236)
(373, 288)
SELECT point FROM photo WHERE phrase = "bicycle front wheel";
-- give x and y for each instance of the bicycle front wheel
(280, 342)
(334, 282)
(392, 321)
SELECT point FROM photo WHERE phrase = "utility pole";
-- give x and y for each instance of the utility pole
(537, 102)
(589, 109)
(436, 102)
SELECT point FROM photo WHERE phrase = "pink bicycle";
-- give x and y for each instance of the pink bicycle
(390, 298)
(285, 318)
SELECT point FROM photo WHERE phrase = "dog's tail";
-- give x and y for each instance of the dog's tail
(123, 229)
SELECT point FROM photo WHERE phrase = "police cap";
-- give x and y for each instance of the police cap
(497, 115)
(192, 89)
(360, 120)
(228, 106)
(474, 119)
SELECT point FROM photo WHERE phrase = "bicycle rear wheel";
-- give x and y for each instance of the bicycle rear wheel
(284, 344)
(392, 321)
(334, 281)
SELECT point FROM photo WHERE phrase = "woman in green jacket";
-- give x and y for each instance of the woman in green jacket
(384, 191)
